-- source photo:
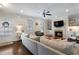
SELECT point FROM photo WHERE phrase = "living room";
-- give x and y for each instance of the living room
(43, 28)
(60, 33)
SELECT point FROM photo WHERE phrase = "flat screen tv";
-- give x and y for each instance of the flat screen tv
(59, 23)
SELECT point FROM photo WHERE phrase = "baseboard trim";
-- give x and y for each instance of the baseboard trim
(6, 43)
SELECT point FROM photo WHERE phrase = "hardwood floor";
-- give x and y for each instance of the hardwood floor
(14, 49)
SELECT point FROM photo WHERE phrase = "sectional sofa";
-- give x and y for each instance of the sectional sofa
(49, 47)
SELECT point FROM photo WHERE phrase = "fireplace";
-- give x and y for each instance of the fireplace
(58, 34)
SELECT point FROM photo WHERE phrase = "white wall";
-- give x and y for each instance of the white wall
(14, 20)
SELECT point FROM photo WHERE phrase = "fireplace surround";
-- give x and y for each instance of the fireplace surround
(58, 34)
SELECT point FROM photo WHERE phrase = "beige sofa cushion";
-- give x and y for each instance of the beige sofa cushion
(55, 43)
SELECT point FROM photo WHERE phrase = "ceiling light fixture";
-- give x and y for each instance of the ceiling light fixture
(21, 11)
(67, 10)
(46, 13)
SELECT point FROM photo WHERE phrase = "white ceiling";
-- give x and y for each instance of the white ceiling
(36, 9)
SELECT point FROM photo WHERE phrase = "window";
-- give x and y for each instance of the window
(30, 25)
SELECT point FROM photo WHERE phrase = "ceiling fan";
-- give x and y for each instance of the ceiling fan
(46, 13)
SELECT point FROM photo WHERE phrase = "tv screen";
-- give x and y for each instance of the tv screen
(59, 23)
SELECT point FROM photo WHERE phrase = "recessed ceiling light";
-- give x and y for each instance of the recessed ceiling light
(21, 11)
(67, 10)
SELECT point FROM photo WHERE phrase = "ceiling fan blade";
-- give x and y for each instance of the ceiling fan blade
(49, 14)
(48, 11)
(44, 14)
